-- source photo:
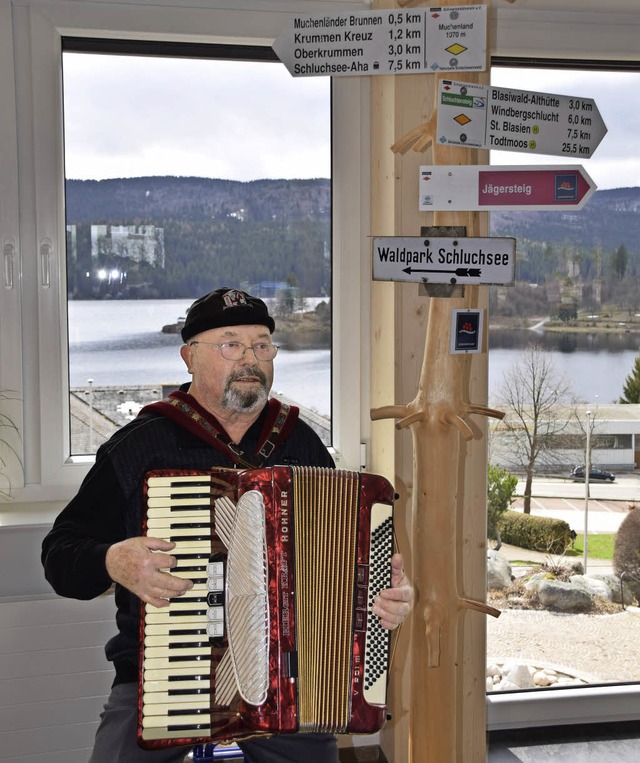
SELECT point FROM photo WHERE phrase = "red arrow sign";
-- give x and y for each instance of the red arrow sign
(531, 187)
(485, 188)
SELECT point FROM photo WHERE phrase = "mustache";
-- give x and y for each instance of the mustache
(240, 373)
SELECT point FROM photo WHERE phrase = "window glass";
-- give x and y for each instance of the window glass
(184, 175)
(576, 300)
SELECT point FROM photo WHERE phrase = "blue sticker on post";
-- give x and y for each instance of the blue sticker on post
(466, 331)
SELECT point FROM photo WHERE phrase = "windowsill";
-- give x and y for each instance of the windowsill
(20, 514)
(545, 707)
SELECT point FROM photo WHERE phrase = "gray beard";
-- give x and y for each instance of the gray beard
(245, 401)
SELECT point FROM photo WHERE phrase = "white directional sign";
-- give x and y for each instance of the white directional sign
(481, 116)
(393, 41)
(444, 260)
(533, 187)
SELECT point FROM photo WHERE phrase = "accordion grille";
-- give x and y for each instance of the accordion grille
(326, 530)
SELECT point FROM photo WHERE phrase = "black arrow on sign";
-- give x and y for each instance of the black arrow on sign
(461, 272)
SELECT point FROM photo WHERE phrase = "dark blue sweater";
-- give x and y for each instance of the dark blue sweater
(108, 508)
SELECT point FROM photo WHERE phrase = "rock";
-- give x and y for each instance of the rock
(513, 675)
(498, 571)
(618, 590)
(542, 679)
(564, 597)
(519, 676)
(594, 586)
(534, 581)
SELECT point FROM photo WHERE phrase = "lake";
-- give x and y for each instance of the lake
(596, 365)
(121, 342)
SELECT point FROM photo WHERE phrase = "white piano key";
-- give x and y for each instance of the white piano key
(163, 640)
(162, 721)
(177, 672)
(159, 687)
(163, 702)
(160, 616)
(151, 734)
(166, 650)
(163, 663)
(169, 479)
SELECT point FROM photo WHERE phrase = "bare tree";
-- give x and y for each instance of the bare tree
(532, 393)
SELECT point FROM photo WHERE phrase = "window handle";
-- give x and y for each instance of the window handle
(45, 262)
(9, 254)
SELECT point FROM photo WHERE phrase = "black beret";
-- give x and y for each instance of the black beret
(225, 307)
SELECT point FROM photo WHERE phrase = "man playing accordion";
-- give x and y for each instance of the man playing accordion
(223, 418)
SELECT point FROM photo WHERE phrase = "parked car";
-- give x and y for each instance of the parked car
(595, 474)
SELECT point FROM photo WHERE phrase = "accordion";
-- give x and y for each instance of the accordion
(276, 636)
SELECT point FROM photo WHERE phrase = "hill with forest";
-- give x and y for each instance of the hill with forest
(214, 232)
(157, 199)
(207, 233)
(608, 220)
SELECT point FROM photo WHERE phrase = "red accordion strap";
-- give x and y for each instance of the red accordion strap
(182, 408)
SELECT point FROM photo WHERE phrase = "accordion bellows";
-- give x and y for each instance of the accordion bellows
(276, 636)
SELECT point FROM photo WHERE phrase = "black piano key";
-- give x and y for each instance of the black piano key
(187, 632)
(194, 677)
(189, 657)
(194, 727)
(188, 612)
(187, 644)
(188, 600)
(189, 538)
(188, 711)
(187, 692)
(191, 568)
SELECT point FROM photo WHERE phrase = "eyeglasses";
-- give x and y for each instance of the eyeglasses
(237, 350)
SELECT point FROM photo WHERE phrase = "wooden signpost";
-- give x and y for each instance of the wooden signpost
(447, 719)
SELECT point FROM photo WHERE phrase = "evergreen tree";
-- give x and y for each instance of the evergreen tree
(631, 389)
(619, 260)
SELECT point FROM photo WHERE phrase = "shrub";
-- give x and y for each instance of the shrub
(552, 536)
(626, 550)
(501, 486)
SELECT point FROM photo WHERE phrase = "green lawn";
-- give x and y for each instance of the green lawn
(600, 546)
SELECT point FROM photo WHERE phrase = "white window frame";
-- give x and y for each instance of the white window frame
(593, 35)
(39, 309)
(10, 247)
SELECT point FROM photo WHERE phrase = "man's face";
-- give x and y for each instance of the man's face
(240, 386)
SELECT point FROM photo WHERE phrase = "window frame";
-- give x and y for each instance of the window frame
(602, 703)
(39, 308)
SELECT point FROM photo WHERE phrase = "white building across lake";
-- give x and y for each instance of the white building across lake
(614, 439)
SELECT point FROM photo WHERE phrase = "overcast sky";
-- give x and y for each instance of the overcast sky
(130, 116)
(135, 116)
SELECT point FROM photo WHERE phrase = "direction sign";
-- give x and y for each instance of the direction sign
(393, 41)
(444, 260)
(533, 187)
(481, 116)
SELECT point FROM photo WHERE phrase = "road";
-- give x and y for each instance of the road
(560, 498)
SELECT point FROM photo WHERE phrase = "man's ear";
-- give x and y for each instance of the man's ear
(185, 354)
